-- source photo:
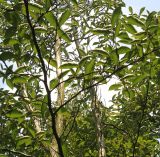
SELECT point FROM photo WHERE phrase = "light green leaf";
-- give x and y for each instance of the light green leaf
(51, 19)
(75, 2)
(115, 87)
(24, 140)
(134, 21)
(90, 66)
(68, 65)
(35, 7)
(116, 16)
(51, 61)
(14, 114)
(123, 50)
(54, 83)
(130, 28)
(19, 79)
(64, 17)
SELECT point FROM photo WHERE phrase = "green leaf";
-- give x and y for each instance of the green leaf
(123, 50)
(63, 35)
(19, 79)
(134, 21)
(68, 65)
(64, 17)
(101, 52)
(51, 19)
(9, 83)
(130, 10)
(75, 2)
(6, 56)
(90, 66)
(115, 87)
(14, 114)
(116, 16)
(51, 61)
(53, 83)
(64, 73)
(24, 140)
(130, 28)
(35, 7)
(100, 31)
(141, 10)
(83, 60)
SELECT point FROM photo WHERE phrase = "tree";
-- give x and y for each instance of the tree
(54, 55)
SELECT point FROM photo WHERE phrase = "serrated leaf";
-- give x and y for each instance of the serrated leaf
(134, 21)
(64, 17)
(68, 65)
(116, 16)
(53, 83)
(51, 19)
(14, 114)
(115, 87)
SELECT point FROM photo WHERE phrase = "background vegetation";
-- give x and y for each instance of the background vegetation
(55, 55)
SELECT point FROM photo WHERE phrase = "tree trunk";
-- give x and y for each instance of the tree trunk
(96, 105)
(60, 99)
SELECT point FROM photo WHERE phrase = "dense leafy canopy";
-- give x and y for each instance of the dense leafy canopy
(96, 42)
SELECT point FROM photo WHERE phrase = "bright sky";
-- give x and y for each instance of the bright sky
(151, 5)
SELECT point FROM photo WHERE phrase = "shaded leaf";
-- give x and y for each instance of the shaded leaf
(68, 65)
(116, 16)
(53, 83)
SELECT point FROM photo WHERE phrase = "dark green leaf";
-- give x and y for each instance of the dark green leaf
(68, 65)
(116, 16)
(53, 83)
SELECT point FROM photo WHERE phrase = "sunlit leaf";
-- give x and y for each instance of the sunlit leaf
(64, 17)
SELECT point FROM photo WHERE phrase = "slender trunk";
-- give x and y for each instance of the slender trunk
(96, 105)
(60, 98)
